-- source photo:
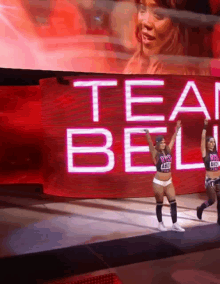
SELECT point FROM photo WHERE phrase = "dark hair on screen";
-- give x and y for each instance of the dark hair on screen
(190, 35)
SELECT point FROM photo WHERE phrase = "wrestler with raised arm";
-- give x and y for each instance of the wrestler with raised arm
(212, 180)
(162, 182)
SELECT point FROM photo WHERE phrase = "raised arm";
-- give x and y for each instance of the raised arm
(172, 141)
(153, 151)
(203, 139)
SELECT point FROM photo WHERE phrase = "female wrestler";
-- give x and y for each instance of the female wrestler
(162, 182)
(212, 179)
(160, 36)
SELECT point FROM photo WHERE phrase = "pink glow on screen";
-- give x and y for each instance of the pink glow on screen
(215, 134)
(132, 100)
(128, 132)
(95, 95)
(86, 150)
(179, 108)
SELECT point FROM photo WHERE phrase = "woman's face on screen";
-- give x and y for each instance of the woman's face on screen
(155, 29)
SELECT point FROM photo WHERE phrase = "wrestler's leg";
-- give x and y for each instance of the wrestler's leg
(210, 191)
(159, 194)
(171, 196)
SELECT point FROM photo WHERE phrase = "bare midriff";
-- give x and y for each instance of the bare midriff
(163, 176)
(213, 175)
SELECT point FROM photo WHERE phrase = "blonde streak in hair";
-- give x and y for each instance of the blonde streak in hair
(173, 46)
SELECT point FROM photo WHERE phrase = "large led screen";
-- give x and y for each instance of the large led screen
(94, 140)
(112, 36)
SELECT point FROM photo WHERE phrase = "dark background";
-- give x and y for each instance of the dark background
(25, 77)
